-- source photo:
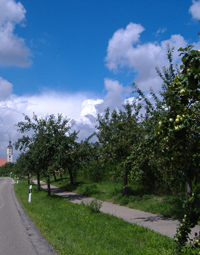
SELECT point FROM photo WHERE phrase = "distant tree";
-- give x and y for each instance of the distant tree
(25, 165)
(91, 160)
(7, 169)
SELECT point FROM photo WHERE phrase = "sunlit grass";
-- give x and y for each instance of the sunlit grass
(73, 229)
(168, 206)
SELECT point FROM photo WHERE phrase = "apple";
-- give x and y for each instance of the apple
(182, 91)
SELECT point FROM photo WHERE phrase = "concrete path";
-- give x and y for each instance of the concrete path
(18, 234)
(157, 223)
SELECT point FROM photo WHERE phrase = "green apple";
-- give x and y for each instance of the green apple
(182, 91)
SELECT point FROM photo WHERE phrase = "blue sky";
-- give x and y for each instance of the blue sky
(79, 57)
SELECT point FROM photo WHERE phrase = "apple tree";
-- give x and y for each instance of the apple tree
(117, 132)
(179, 131)
(48, 140)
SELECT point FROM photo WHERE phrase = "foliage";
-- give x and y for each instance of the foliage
(7, 169)
(176, 131)
(117, 132)
(95, 205)
(192, 214)
(89, 190)
(91, 163)
(50, 144)
(179, 127)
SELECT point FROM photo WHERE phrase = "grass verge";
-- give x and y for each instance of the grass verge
(73, 229)
(168, 206)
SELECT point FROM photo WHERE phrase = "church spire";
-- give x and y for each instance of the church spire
(9, 152)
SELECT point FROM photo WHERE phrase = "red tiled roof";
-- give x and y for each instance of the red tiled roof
(3, 161)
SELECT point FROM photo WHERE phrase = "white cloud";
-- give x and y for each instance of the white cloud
(120, 45)
(80, 108)
(161, 31)
(5, 89)
(115, 96)
(49, 102)
(10, 10)
(88, 107)
(13, 50)
(125, 50)
(195, 9)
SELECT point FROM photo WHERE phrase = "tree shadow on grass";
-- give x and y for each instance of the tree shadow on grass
(68, 186)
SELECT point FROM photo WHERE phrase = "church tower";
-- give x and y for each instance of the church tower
(9, 153)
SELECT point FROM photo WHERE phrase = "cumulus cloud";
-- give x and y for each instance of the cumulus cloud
(125, 50)
(49, 102)
(10, 10)
(115, 95)
(13, 50)
(195, 9)
(120, 45)
(5, 89)
(80, 108)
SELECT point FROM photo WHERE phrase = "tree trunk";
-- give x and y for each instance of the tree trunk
(38, 181)
(125, 184)
(54, 175)
(71, 177)
(48, 186)
(61, 177)
(189, 187)
(28, 179)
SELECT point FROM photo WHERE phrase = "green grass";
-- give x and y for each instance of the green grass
(73, 229)
(168, 206)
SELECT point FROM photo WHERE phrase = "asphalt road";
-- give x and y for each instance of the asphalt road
(18, 234)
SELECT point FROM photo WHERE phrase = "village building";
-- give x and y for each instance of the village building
(9, 158)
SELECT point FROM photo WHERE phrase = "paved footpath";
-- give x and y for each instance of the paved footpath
(157, 223)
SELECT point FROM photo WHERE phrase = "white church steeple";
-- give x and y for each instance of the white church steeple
(10, 153)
